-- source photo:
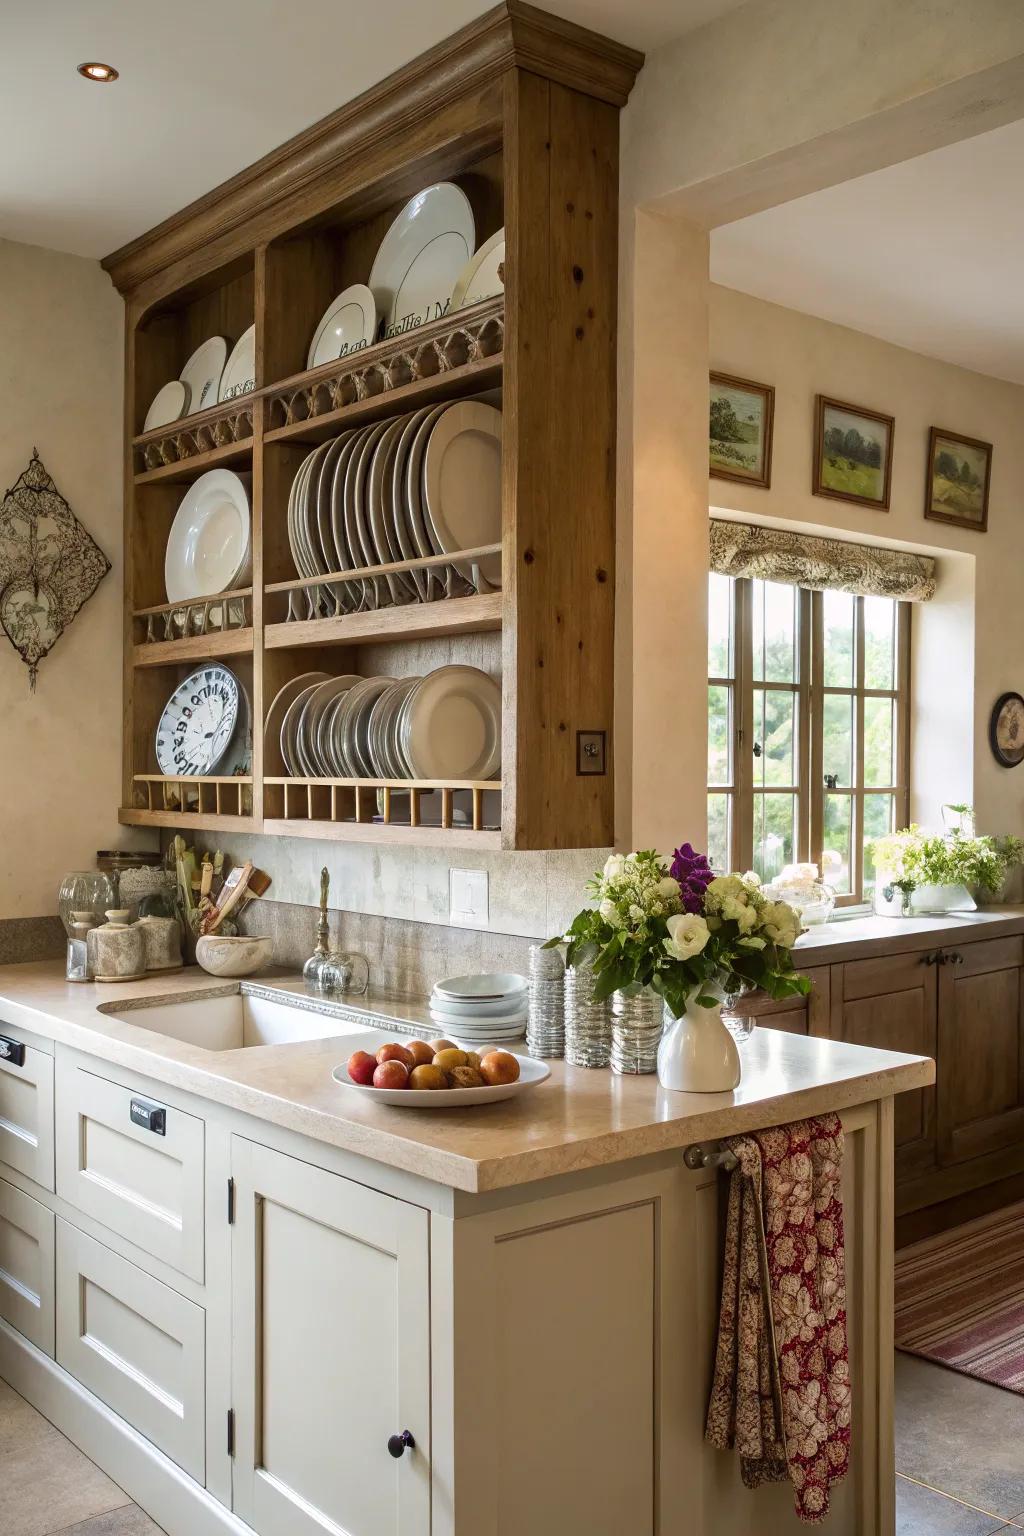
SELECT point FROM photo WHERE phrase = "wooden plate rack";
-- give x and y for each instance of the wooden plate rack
(535, 150)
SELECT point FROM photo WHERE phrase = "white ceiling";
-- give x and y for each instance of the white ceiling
(927, 254)
(207, 87)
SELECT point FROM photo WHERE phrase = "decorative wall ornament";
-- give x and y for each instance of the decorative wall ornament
(49, 565)
(786, 554)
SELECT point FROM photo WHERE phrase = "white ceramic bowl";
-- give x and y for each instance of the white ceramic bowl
(233, 955)
(496, 986)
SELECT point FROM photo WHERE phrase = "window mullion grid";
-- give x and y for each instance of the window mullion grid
(803, 773)
(743, 771)
(816, 710)
(857, 829)
(901, 804)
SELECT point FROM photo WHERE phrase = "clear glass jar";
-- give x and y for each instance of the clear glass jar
(77, 968)
(88, 891)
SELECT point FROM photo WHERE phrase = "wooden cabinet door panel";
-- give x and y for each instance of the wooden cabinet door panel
(26, 1266)
(891, 1003)
(330, 1352)
(981, 1050)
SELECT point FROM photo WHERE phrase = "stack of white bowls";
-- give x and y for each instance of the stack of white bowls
(481, 1010)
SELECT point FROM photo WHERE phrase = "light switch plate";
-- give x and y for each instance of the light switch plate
(467, 898)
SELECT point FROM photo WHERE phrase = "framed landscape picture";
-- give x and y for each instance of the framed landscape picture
(852, 453)
(959, 469)
(740, 446)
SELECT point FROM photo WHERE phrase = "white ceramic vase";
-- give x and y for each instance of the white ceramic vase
(697, 1053)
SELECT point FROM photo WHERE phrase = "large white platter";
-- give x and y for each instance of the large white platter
(202, 373)
(532, 1074)
(421, 256)
(239, 376)
(208, 548)
(479, 278)
(348, 325)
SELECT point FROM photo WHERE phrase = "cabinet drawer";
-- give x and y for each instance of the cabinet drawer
(26, 1110)
(136, 1344)
(146, 1184)
(26, 1266)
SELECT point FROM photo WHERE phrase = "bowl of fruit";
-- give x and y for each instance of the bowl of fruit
(438, 1074)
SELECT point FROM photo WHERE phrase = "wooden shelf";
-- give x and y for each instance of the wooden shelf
(454, 384)
(412, 621)
(226, 456)
(375, 832)
(173, 653)
(201, 821)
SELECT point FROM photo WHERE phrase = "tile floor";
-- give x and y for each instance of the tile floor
(48, 1488)
(960, 1466)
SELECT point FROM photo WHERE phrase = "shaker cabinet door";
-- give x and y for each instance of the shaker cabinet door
(330, 1352)
(981, 1049)
(26, 1109)
(890, 1003)
(27, 1266)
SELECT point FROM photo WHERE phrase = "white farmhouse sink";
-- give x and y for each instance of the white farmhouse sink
(242, 1019)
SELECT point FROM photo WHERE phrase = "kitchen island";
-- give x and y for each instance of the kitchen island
(232, 1282)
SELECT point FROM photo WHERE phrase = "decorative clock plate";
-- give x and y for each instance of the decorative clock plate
(49, 565)
(204, 727)
(1006, 730)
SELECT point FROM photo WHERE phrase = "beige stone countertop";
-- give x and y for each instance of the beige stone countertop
(577, 1119)
(862, 938)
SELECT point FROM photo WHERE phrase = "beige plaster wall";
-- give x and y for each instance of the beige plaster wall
(61, 326)
(970, 643)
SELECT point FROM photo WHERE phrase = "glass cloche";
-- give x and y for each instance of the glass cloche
(85, 891)
(800, 886)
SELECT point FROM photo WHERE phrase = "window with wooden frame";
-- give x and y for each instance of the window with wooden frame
(808, 728)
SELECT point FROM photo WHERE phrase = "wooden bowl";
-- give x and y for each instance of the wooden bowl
(222, 955)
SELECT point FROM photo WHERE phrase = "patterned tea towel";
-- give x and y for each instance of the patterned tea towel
(781, 1391)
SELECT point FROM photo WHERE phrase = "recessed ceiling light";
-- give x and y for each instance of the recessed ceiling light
(101, 72)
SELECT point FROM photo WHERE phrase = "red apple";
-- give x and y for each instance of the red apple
(361, 1067)
(391, 1074)
(395, 1052)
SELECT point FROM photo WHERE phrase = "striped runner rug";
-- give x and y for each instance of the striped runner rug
(960, 1298)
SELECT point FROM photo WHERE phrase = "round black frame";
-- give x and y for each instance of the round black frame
(993, 740)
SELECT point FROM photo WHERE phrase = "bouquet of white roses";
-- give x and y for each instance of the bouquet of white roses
(684, 932)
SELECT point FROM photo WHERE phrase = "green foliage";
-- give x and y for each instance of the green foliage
(912, 858)
(725, 424)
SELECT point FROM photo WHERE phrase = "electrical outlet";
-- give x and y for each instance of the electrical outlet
(467, 898)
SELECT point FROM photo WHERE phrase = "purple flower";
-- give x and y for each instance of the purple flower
(694, 875)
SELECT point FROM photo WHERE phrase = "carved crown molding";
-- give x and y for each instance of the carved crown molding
(514, 35)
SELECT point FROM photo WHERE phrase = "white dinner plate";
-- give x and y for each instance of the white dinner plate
(348, 325)
(452, 727)
(479, 278)
(202, 373)
(460, 1021)
(381, 513)
(169, 404)
(274, 765)
(462, 485)
(531, 1074)
(401, 520)
(354, 596)
(376, 588)
(308, 740)
(421, 256)
(415, 501)
(481, 1010)
(487, 987)
(239, 376)
(208, 548)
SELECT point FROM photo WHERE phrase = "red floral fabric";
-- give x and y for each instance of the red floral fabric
(781, 1390)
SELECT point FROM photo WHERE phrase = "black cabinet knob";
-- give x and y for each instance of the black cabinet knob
(397, 1444)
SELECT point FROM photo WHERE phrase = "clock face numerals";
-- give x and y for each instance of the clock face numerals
(199, 722)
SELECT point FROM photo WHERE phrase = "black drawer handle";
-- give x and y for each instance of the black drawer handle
(150, 1117)
(397, 1443)
(12, 1051)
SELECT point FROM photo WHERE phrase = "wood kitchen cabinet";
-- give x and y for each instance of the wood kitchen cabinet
(890, 1003)
(980, 1085)
(330, 1351)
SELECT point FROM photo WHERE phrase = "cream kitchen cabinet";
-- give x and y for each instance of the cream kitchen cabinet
(26, 1109)
(133, 1162)
(331, 1352)
(26, 1266)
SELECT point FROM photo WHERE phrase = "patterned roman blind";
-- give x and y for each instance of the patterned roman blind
(786, 554)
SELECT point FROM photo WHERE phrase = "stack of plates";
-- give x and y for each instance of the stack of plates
(426, 483)
(208, 378)
(481, 1010)
(446, 725)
